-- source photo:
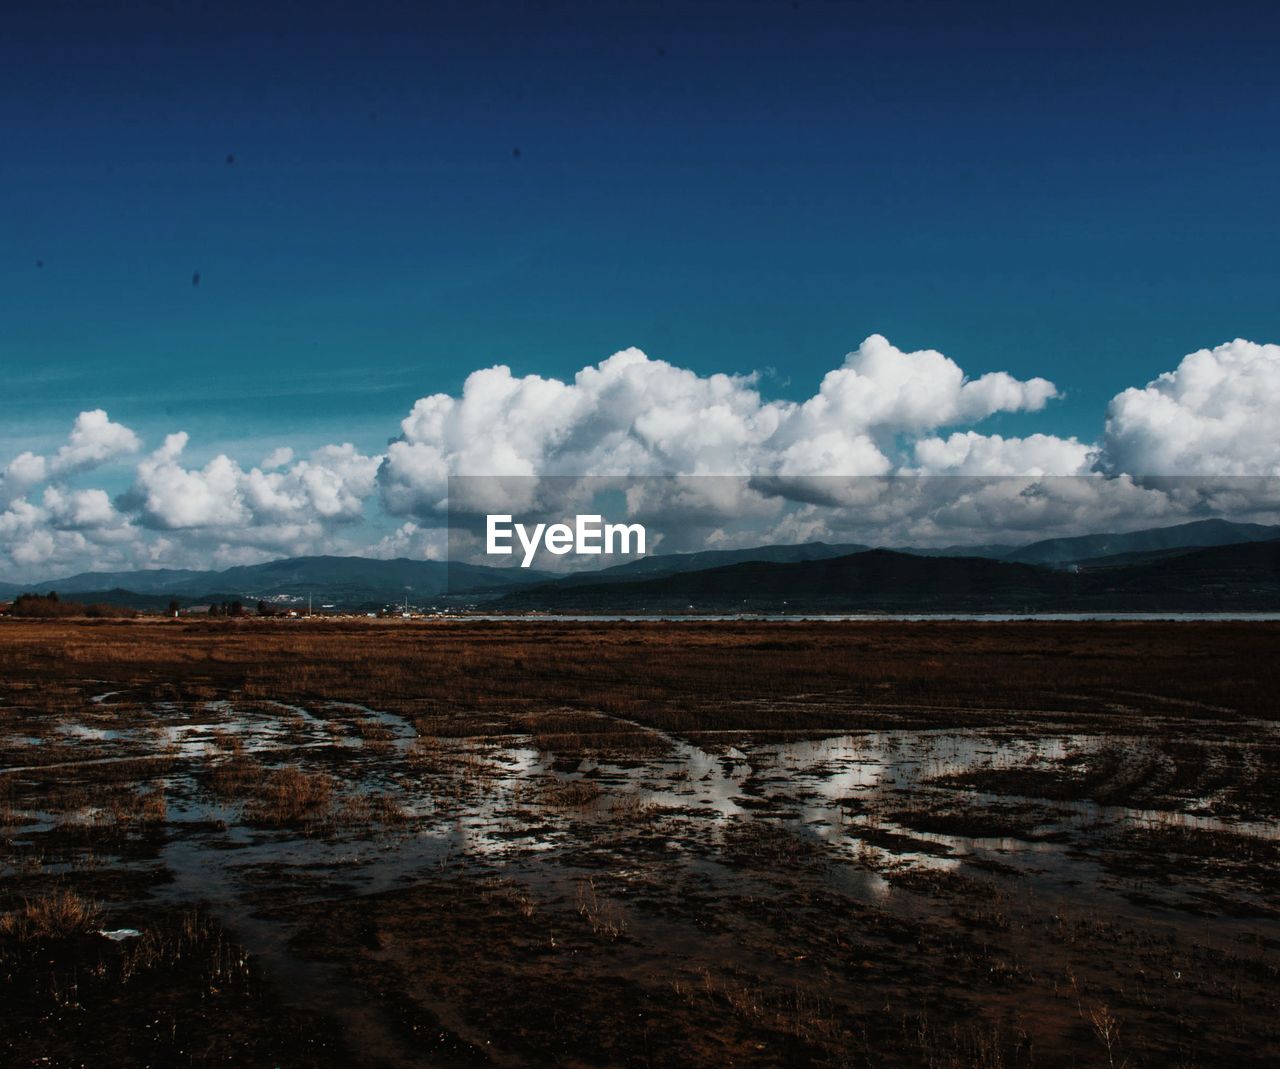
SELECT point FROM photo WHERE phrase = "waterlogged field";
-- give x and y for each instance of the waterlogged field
(680, 844)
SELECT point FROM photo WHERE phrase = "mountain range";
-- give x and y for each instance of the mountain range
(1134, 567)
(1233, 578)
(345, 581)
(1199, 534)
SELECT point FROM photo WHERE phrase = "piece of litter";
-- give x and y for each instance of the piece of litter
(118, 935)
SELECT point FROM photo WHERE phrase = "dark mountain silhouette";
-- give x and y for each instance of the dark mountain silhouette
(338, 580)
(146, 581)
(1242, 577)
(877, 579)
(1144, 544)
(673, 563)
(992, 551)
(1198, 534)
(1138, 566)
(1122, 560)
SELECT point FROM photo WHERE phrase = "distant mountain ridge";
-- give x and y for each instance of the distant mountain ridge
(366, 582)
(1197, 534)
(339, 580)
(1234, 578)
(673, 563)
(878, 579)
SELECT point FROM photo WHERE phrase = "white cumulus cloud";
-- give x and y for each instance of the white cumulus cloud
(94, 440)
(330, 486)
(969, 453)
(80, 509)
(1217, 413)
(884, 412)
(22, 473)
(633, 415)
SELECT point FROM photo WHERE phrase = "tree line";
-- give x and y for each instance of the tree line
(49, 606)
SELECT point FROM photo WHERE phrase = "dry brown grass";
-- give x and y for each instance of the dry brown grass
(139, 807)
(570, 794)
(799, 676)
(57, 914)
(290, 796)
(603, 915)
(371, 808)
(582, 689)
(236, 775)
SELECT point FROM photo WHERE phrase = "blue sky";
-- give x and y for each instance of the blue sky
(381, 198)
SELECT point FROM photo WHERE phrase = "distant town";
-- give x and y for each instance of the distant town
(276, 606)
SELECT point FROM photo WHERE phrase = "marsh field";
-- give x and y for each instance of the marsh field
(389, 844)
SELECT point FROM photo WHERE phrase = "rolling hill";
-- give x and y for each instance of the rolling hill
(1196, 535)
(878, 579)
(675, 563)
(1087, 569)
(346, 581)
(1243, 577)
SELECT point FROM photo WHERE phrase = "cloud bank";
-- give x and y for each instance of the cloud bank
(632, 415)
(883, 412)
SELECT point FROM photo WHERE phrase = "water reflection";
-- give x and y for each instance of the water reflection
(876, 802)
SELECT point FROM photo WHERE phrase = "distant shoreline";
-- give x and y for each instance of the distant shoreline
(250, 620)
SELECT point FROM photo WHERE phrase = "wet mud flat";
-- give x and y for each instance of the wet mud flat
(676, 844)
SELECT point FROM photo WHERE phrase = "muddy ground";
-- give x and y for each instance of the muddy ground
(679, 844)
